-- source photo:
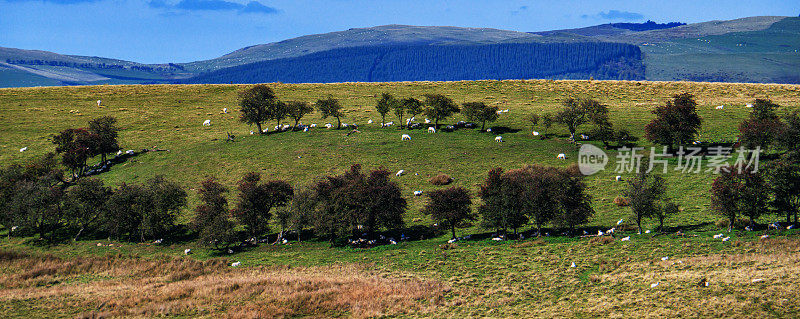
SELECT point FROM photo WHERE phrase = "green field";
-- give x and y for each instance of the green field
(484, 278)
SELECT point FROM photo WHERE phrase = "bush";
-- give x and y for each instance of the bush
(602, 240)
(621, 201)
(441, 179)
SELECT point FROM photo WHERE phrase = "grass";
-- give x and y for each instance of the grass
(478, 278)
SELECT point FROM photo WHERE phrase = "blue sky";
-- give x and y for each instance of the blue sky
(157, 31)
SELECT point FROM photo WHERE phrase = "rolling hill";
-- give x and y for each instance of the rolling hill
(752, 49)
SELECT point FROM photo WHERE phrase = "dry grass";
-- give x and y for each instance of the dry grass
(126, 286)
(441, 179)
(621, 201)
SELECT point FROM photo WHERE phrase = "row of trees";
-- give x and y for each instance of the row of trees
(437, 107)
(34, 199)
(78, 145)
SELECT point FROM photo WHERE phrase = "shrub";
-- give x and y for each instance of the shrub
(212, 220)
(621, 201)
(441, 179)
(676, 123)
(450, 207)
(257, 200)
(601, 240)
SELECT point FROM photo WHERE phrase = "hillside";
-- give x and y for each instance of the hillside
(753, 49)
(443, 63)
(656, 274)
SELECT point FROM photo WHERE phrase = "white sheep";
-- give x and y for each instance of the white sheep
(749, 105)
(187, 251)
(207, 123)
(405, 137)
(654, 285)
(225, 110)
(584, 137)
(718, 236)
(369, 122)
(252, 133)
(498, 139)
(488, 130)
(618, 178)
(535, 133)
(626, 238)
(726, 239)
(23, 149)
(573, 265)
(328, 125)
(286, 126)
(562, 156)
(305, 129)
(99, 102)
(431, 129)
(619, 222)
(720, 107)
(400, 173)
(427, 121)
(236, 264)
(417, 193)
(313, 125)
(265, 130)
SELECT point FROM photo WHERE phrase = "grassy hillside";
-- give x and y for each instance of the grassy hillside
(418, 278)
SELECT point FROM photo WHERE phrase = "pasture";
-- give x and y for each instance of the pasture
(475, 278)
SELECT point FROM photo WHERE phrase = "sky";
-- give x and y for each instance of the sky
(160, 31)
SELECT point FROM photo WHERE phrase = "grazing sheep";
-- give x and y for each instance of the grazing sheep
(286, 127)
(236, 264)
(626, 238)
(619, 222)
(405, 137)
(749, 105)
(427, 121)
(158, 241)
(23, 149)
(265, 130)
(584, 137)
(655, 285)
(251, 132)
(207, 123)
(99, 102)
(305, 129)
(498, 139)
(417, 193)
(328, 125)
(369, 122)
(573, 265)
(313, 125)
(618, 178)
(431, 129)
(230, 251)
(187, 251)
(488, 130)
(764, 236)
(562, 156)
(789, 227)
(647, 231)
(535, 133)
(718, 236)
(720, 107)
(225, 110)
(400, 173)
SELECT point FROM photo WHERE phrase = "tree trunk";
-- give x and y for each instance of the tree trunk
(338, 123)
(436, 123)
(483, 125)
(453, 228)
(76, 235)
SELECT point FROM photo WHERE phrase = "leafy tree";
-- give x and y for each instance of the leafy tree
(85, 204)
(480, 112)
(106, 130)
(669, 209)
(676, 123)
(789, 137)
(400, 111)
(383, 201)
(385, 104)
(533, 120)
(413, 106)
(784, 180)
(167, 198)
(575, 205)
(330, 107)
(257, 105)
(127, 207)
(37, 206)
(279, 112)
(450, 207)
(212, 219)
(302, 210)
(297, 110)
(43, 169)
(578, 112)
(439, 107)
(256, 201)
(762, 127)
(645, 191)
(76, 146)
(500, 209)
(739, 192)
(547, 121)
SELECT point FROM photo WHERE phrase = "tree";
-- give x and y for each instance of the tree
(297, 110)
(85, 204)
(662, 213)
(547, 122)
(257, 105)
(302, 210)
(450, 207)
(212, 219)
(762, 127)
(330, 107)
(385, 104)
(37, 206)
(400, 111)
(500, 209)
(76, 146)
(578, 112)
(106, 130)
(533, 120)
(167, 198)
(279, 112)
(439, 107)
(383, 201)
(127, 207)
(413, 106)
(676, 123)
(256, 201)
(645, 191)
(734, 192)
(784, 181)
(43, 169)
(480, 112)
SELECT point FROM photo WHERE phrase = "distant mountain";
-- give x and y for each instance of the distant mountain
(358, 37)
(753, 49)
